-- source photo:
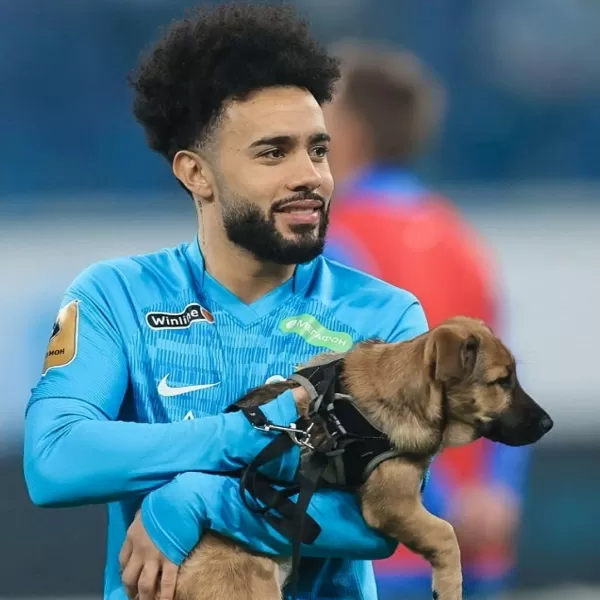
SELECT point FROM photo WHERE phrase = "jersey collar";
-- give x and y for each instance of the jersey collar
(247, 314)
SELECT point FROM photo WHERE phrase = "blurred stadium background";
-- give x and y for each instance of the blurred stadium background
(519, 155)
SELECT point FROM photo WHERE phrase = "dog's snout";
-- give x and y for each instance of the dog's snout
(546, 424)
(517, 428)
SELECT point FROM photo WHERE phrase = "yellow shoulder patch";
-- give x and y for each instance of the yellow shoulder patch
(62, 347)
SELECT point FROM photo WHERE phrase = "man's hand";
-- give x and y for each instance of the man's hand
(146, 573)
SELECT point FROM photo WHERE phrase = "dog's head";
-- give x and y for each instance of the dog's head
(476, 371)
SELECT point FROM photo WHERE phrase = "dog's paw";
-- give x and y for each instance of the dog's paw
(435, 595)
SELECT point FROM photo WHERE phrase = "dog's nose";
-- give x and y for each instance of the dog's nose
(546, 424)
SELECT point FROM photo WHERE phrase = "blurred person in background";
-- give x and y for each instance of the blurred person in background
(387, 222)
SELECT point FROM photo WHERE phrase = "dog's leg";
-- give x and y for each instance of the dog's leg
(391, 503)
(219, 569)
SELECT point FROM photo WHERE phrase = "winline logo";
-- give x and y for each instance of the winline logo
(182, 320)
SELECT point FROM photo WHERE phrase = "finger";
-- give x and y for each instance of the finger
(148, 581)
(168, 580)
(125, 553)
(131, 575)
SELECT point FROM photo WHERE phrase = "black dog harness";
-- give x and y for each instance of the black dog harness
(352, 449)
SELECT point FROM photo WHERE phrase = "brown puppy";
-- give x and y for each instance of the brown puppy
(444, 388)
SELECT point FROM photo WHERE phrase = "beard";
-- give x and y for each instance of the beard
(247, 226)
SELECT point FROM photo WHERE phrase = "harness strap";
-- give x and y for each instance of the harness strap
(250, 475)
(318, 379)
(308, 480)
(251, 478)
(306, 384)
(294, 523)
(373, 464)
(285, 524)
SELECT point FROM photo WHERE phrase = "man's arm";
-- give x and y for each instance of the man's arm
(75, 455)
(176, 516)
(76, 451)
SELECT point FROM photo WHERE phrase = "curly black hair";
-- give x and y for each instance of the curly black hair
(217, 54)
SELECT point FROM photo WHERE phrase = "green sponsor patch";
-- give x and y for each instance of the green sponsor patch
(315, 334)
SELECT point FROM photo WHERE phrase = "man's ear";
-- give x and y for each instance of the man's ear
(194, 173)
(450, 357)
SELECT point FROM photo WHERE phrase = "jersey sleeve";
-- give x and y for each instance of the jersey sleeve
(73, 455)
(86, 357)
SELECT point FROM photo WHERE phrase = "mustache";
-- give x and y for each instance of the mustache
(279, 204)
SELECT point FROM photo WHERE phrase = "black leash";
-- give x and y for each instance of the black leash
(294, 521)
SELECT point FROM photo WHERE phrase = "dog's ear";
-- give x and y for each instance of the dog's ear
(450, 356)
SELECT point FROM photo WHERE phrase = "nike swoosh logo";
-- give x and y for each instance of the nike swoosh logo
(164, 389)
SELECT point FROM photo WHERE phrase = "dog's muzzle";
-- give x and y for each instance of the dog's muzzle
(524, 422)
(513, 428)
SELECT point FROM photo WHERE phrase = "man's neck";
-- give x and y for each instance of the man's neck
(240, 272)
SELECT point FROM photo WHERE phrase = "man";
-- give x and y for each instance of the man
(386, 221)
(148, 351)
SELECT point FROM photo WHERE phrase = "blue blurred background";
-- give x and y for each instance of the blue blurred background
(519, 154)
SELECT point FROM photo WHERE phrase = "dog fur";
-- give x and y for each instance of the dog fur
(399, 387)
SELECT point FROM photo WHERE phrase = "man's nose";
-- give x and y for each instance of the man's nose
(305, 176)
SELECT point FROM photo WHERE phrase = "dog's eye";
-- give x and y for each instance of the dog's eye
(504, 382)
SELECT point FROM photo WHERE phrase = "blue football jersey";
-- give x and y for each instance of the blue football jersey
(148, 351)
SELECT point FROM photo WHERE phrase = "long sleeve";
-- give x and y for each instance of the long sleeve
(74, 455)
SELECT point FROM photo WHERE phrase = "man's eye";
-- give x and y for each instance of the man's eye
(321, 151)
(275, 153)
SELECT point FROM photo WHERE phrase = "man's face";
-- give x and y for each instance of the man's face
(273, 179)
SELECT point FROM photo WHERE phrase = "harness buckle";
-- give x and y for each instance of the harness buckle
(300, 437)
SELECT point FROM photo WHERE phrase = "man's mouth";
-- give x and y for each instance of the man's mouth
(301, 205)
(305, 212)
